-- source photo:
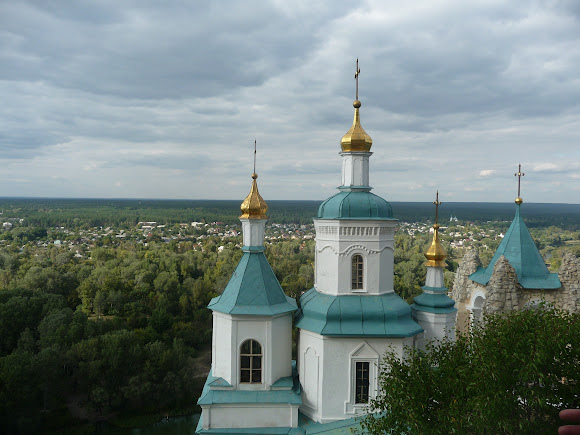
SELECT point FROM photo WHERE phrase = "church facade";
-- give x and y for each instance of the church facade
(345, 323)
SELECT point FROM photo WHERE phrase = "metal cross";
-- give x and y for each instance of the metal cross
(519, 174)
(254, 156)
(437, 204)
(357, 72)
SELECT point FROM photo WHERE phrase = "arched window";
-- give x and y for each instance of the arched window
(357, 272)
(251, 362)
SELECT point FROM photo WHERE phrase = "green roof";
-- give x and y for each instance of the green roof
(437, 302)
(356, 315)
(210, 396)
(253, 290)
(305, 427)
(355, 205)
(519, 249)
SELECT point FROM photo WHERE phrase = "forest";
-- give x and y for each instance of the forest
(113, 328)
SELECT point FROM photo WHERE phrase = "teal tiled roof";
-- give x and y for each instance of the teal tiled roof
(210, 396)
(253, 289)
(356, 315)
(437, 302)
(305, 427)
(519, 249)
(355, 205)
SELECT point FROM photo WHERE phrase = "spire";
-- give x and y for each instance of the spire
(254, 206)
(519, 174)
(356, 139)
(520, 250)
(436, 254)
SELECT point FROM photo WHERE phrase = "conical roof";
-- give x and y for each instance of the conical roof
(253, 290)
(519, 249)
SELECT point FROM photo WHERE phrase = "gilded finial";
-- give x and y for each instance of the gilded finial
(436, 254)
(519, 174)
(356, 139)
(254, 206)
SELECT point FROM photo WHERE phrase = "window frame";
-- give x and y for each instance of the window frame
(359, 388)
(357, 272)
(255, 355)
(366, 354)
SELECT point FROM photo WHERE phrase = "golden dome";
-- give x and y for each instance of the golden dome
(254, 206)
(519, 200)
(435, 254)
(356, 139)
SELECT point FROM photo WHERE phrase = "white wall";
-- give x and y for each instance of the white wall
(437, 326)
(337, 241)
(274, 333)
(250, 415)
(355, 168)
(335, 372)
(253, 231)
(223, 343)
(434, 277)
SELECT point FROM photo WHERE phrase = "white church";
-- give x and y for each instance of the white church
(345, 323)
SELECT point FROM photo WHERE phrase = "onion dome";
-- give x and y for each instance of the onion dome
(254, 206)
(356, 139)
(435, 254)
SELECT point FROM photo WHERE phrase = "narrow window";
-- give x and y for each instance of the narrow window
(362, 382)
(357, 272)
(251, 362)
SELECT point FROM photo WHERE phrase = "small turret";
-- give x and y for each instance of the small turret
(433, 309)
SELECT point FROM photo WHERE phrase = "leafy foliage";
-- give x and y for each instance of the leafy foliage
(510, 375)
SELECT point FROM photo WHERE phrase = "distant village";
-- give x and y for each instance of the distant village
(80, 241)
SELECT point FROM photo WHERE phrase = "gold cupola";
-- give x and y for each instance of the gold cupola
(356, 139)
(254, 206)
(436, 254)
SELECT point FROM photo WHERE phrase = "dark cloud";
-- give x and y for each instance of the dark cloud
(176, 92)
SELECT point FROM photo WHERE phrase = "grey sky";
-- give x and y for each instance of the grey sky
(164, 99)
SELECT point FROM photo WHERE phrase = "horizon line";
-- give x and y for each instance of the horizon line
(269, 200)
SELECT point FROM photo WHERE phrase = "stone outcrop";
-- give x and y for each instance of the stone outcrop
(462, 285)
(570, 278)
(502, 289)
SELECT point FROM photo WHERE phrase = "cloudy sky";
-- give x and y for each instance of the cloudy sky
(163, 99)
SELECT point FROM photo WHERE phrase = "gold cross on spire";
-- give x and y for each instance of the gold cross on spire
(356, 73)
(519, 174)
(437, 204)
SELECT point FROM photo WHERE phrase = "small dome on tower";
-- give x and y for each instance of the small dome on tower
(254, 206)
(355, 205)
(356, 139)
(435, 254)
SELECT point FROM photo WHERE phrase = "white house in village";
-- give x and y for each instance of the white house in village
(345, 323)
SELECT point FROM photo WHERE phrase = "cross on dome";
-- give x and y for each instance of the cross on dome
(519, 174)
